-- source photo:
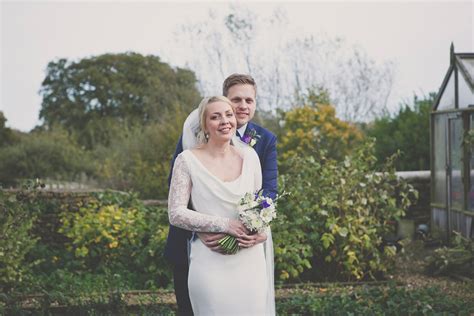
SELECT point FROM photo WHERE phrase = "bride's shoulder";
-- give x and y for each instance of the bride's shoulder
(191, 154)
(186, 152)
(184, 155)
(247, 152)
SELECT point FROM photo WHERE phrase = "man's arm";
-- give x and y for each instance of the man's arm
(178, 150)
(270, 169)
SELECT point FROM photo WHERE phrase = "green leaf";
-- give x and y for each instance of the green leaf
(343, 232)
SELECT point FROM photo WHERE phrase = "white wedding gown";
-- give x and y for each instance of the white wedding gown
(240, 284)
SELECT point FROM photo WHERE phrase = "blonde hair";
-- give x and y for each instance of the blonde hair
(201, 135)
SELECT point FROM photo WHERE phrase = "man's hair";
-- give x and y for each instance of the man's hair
(235, 79)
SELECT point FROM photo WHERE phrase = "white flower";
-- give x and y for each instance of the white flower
(256, 223)
(256, 211)
(248, 197)
(268, 214)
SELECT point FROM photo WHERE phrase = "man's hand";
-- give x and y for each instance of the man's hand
(211, 241)
(248, 241)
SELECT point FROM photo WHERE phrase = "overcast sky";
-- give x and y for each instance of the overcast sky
(414, 35)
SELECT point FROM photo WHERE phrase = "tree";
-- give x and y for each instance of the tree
(95, 97)
(408, 131)
(6, 134)
(286, 65)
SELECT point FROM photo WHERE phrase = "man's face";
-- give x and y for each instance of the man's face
(242, 97)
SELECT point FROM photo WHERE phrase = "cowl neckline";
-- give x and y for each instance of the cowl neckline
(207, 171)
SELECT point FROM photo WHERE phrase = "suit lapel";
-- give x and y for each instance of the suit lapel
(248, 128)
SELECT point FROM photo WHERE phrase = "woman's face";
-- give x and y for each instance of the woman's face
(220, 121)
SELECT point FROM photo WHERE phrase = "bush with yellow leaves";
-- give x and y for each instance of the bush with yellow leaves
(101, 228)
(116, 232)
(312, 129)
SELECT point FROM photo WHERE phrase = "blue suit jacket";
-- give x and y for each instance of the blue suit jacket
(176, 245)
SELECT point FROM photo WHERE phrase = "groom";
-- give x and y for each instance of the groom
(241, 90)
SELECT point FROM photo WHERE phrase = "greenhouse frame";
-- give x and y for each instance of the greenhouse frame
(452, 150)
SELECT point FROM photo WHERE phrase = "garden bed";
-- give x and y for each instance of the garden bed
(73, 262)
(386, 298)
(408, 290)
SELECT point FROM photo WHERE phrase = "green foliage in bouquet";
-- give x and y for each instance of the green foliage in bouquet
(333, 224)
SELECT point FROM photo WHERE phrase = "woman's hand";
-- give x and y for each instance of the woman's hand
(237, 229)
(248, 241)
(211, 240)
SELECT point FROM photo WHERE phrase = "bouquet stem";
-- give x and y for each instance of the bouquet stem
(229, 244)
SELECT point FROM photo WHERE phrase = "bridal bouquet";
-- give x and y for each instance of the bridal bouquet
(256, 212)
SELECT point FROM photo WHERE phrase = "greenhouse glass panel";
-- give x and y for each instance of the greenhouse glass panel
(469, 65)
(447, 99)
(456, 154)
(466, 94)
(471, 168)
(439, 141)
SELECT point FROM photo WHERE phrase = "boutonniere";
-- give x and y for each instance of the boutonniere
(251, 137)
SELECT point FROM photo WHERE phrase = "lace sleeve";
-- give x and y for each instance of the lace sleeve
(178, 198)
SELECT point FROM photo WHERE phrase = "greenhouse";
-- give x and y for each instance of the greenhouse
(452, 149)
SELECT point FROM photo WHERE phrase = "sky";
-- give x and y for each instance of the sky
(415, 36)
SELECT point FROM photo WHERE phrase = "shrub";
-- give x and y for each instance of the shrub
(85, 252)
(407, 131)
(43, 155)
(331, 227)
(458, 259)
(116, 233)
(139, 159)
(16, 221)
(364, 300)
(312, 130)
(374, 300)
(102, 228)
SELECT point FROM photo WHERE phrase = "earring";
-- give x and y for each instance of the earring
(206, 135)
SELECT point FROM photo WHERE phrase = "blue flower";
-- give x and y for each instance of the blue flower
(265, 203)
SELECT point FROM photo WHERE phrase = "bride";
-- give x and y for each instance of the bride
(213, 173)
